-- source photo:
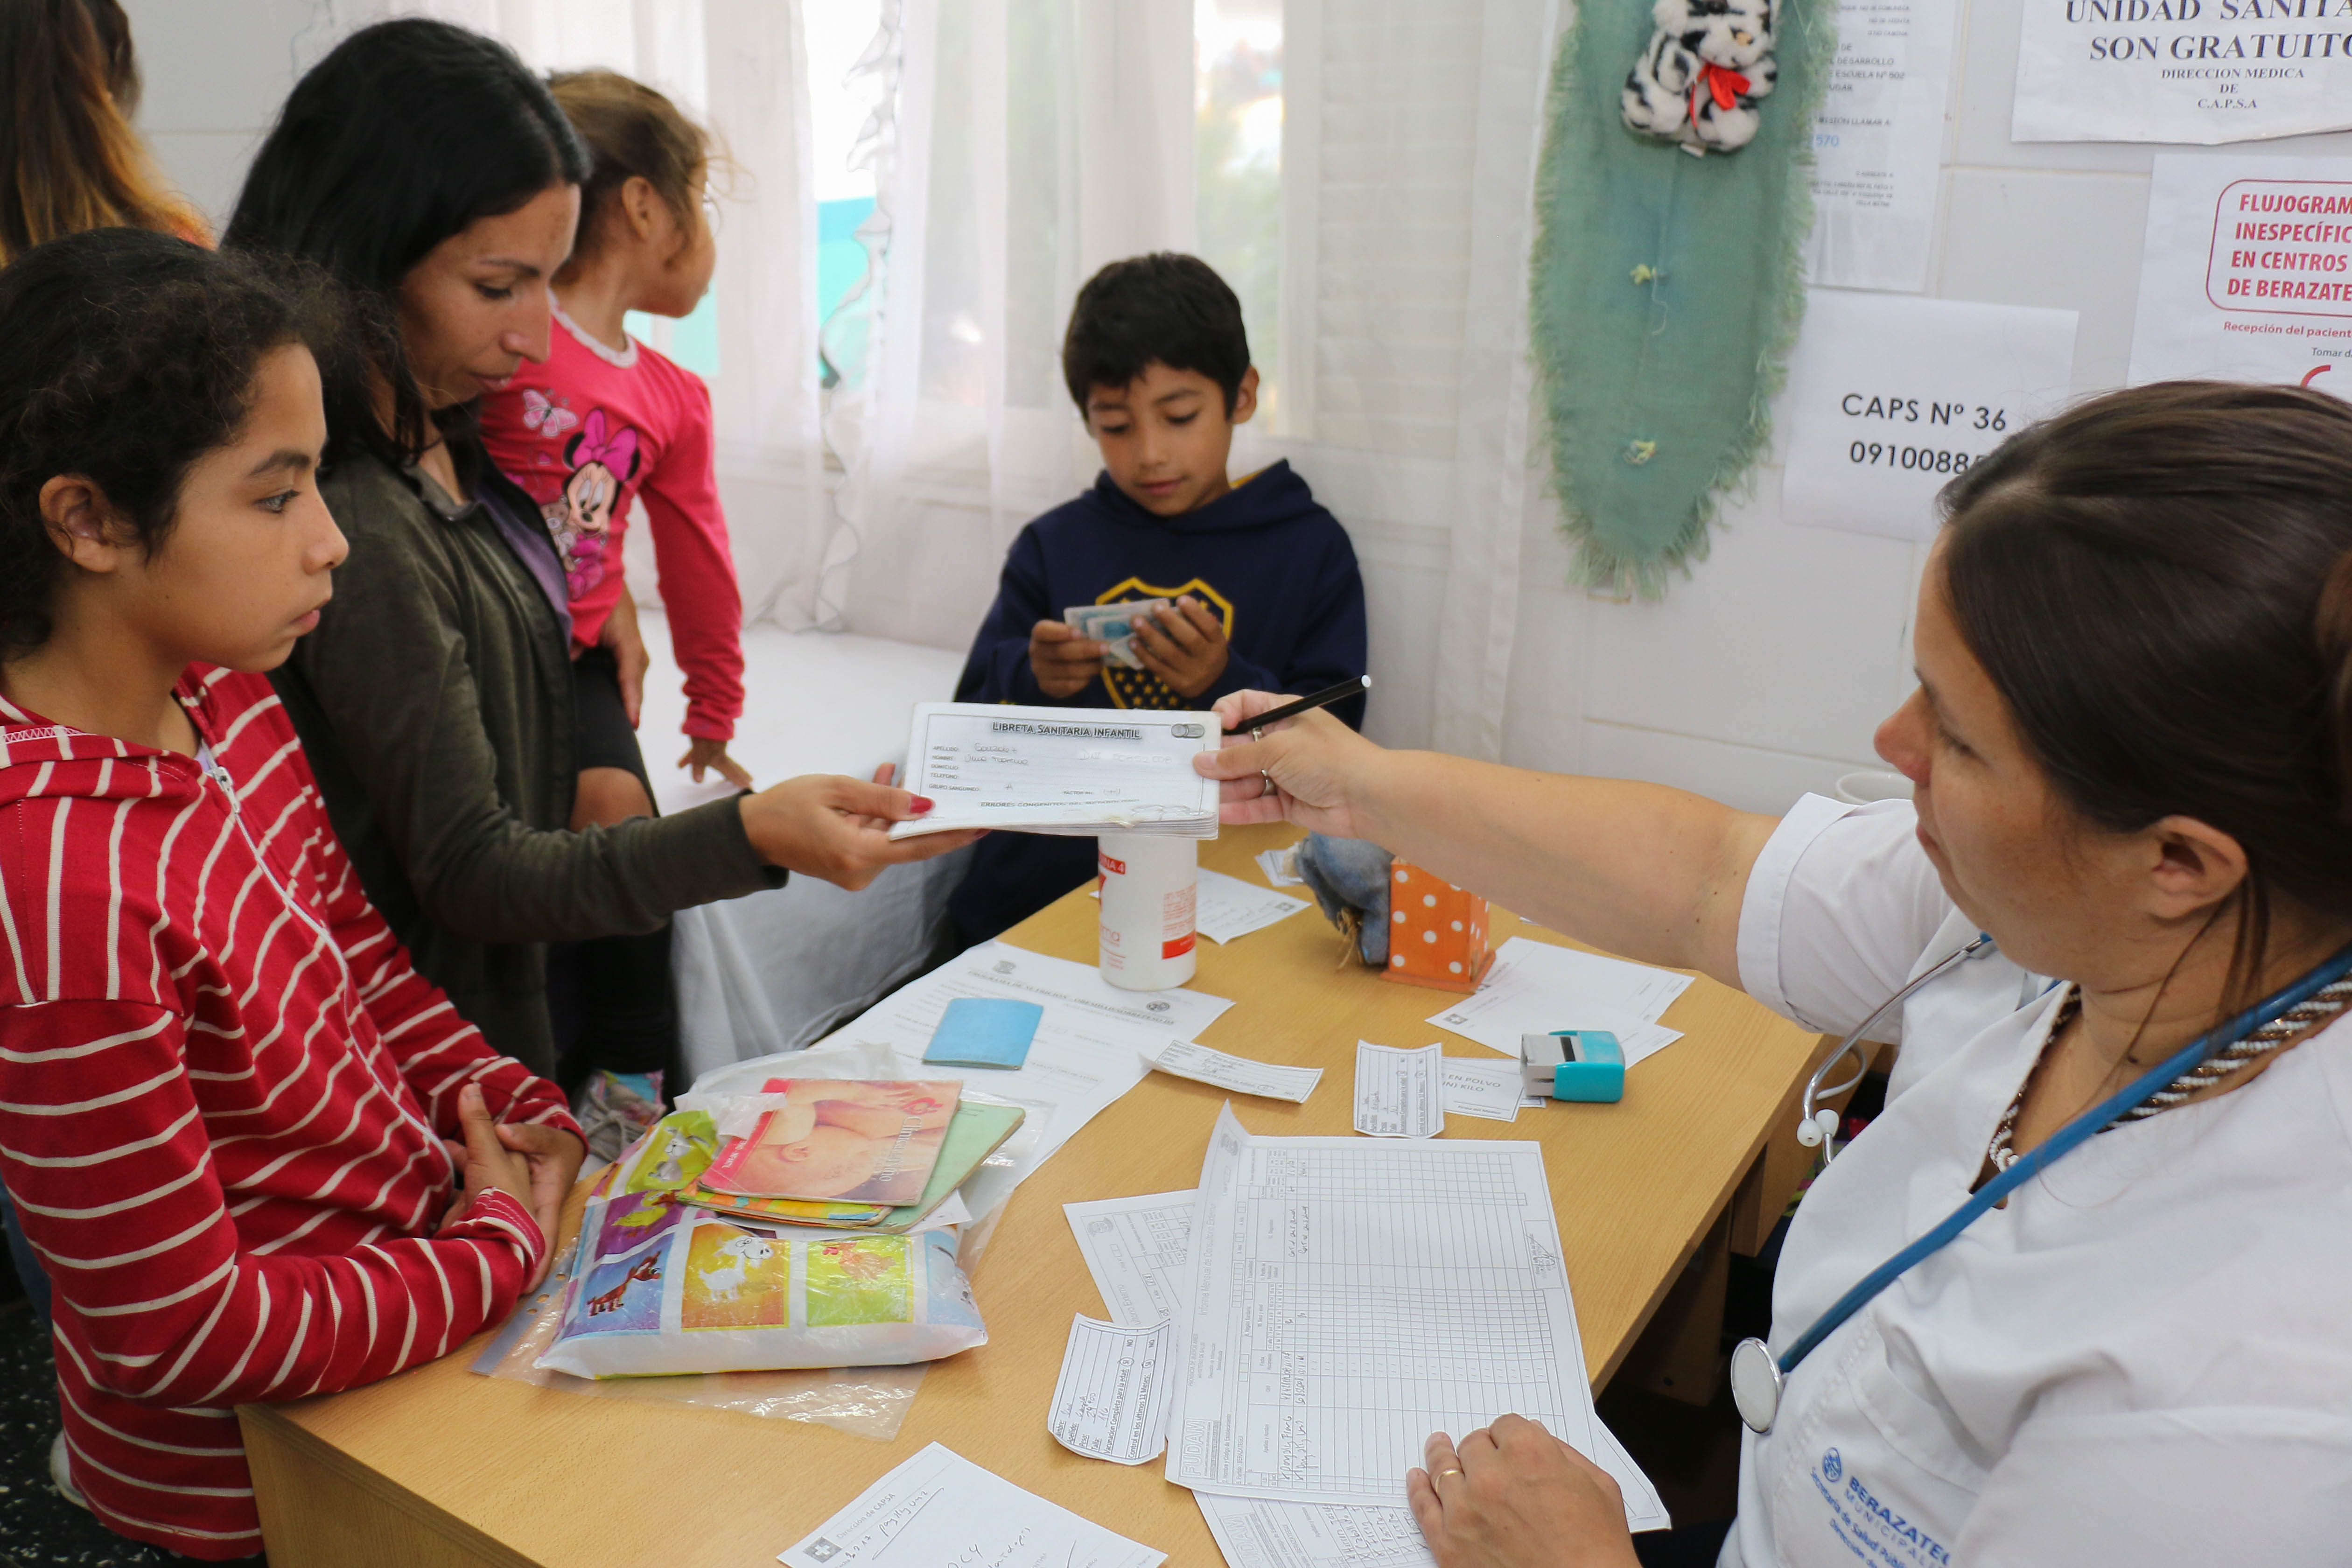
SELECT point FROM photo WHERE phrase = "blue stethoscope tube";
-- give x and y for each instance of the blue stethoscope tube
(1758, 1376)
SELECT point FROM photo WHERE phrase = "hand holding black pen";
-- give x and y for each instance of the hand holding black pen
(1337, 692)
(1283, 761)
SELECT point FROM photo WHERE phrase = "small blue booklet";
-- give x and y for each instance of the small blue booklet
(985, 1032)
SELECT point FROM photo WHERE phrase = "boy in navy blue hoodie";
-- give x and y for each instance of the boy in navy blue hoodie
(1265, 591)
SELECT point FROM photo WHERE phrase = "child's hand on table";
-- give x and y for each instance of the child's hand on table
(1061, 660)
(489, 1165)
(1183, 645)
(704, 755)
(554, 1158)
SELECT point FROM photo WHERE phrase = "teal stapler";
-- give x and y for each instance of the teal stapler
(1573, 1064)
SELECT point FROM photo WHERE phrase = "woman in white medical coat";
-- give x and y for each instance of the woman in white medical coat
(2132, 752)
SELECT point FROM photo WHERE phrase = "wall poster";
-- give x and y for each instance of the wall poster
(1891, 396)
(1878, 144)
(2247, 272)
(2182, 70)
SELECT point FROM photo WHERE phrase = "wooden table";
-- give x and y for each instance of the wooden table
(441, 1466)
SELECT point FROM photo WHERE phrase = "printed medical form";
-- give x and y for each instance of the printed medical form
(1081, 771)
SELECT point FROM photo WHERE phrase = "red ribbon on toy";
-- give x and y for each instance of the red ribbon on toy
(1724, 85)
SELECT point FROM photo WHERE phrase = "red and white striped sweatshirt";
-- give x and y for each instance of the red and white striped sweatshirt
(223, 1091)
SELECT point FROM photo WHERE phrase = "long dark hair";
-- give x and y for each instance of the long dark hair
(69, 158)
(404, 134)
(126, 355)
(2159, 583)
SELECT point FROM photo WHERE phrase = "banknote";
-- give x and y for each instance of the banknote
(1113, 625)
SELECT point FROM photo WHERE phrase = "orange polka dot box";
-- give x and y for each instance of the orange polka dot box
(1437, 932)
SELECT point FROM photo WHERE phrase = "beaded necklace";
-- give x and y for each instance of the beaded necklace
(2284, 1031)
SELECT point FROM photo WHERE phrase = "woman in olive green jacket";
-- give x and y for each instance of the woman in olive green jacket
(433, 175)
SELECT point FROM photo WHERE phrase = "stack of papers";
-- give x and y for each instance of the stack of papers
(1076, 771)
(1535, 988)
(1311, 1473)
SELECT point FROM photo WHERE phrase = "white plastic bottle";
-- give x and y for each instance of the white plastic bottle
(1149, 885)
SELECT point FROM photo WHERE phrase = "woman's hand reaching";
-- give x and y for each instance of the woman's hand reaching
(1310, 770)
(838, 828)
(1514, 1496)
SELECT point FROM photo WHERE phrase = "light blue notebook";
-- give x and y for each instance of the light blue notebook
(985, 1032)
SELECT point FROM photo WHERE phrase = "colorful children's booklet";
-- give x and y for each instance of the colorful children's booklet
(977, 1132)
(859, 1140)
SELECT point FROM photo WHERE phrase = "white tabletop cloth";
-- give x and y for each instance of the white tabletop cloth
(2144, 1357)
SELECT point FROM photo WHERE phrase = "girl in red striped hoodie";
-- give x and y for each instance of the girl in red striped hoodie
(233, 1117)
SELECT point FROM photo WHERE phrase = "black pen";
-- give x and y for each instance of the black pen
(1323, 699)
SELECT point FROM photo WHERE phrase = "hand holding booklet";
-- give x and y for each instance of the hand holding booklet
(1079, 771)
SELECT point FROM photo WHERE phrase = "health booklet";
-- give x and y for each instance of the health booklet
(860, 1141)
(977, 1132)
(1079, 771)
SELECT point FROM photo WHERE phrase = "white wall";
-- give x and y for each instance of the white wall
(1764, 673)
(215, 73)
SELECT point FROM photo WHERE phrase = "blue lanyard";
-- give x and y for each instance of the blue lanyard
(2063, 1141)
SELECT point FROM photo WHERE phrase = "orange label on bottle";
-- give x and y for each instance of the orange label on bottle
(1110, 866)
(1177, 948)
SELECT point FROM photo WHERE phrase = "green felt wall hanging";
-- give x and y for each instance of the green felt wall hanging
(1667, 287)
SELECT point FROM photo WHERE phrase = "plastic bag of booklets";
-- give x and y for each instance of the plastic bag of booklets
(662, 1287)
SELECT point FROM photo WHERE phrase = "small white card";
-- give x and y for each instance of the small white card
(1535, 987)
(1489, 1088)
(1229, 908)
(1891, 396)
(939, 1507)
(1226, 909)
(1111, 1400)
(1206, 1064)
(1135, 1248)
(1281, 866)
(1399, 1094)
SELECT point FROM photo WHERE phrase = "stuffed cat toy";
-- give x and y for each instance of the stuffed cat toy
(1698, 81)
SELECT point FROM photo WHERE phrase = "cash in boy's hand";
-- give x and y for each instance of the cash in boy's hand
(1113, 625)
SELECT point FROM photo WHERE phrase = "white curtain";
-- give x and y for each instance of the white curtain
(1020, 144)
(1411, 130)
(738, 66)
(1024, 143)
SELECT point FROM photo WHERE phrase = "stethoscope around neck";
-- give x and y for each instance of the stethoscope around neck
(1817, 1124)
(1758, 1378)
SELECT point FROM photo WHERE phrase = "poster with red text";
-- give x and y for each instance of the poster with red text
(2247, 272)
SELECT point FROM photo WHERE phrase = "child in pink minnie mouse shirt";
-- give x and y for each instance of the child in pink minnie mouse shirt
(601, 423)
